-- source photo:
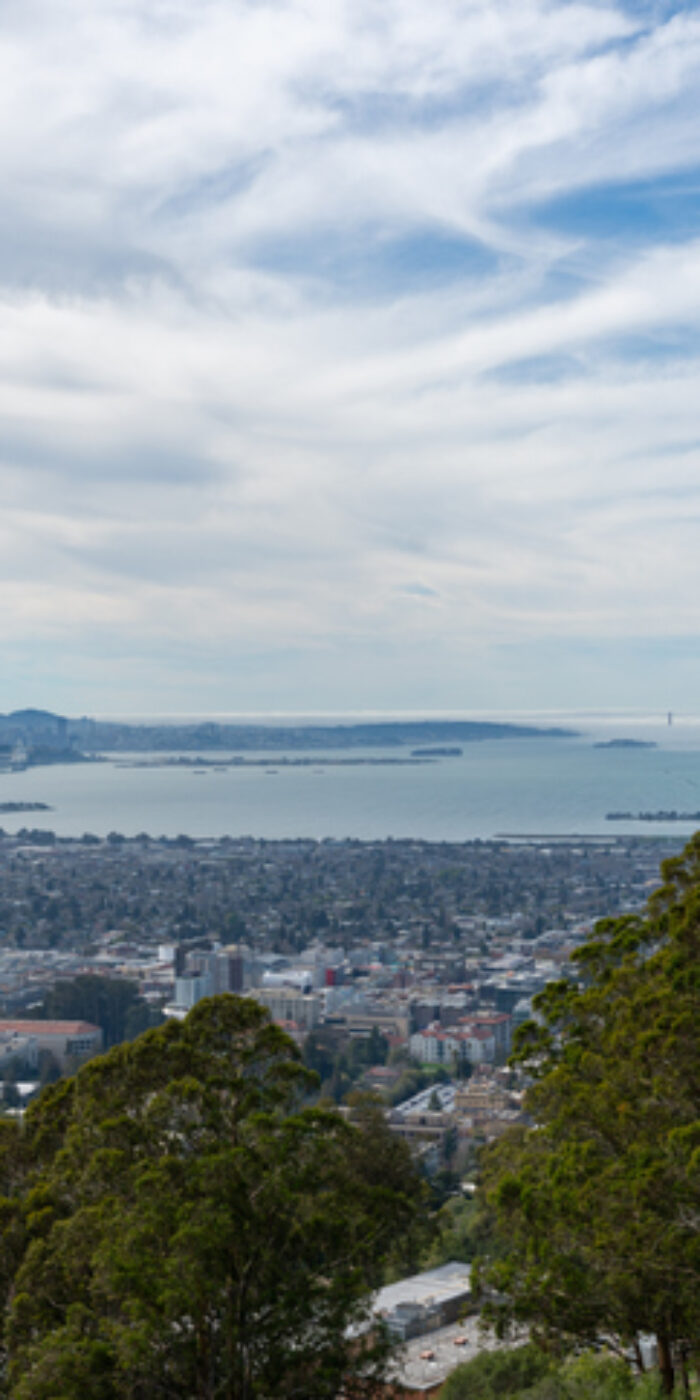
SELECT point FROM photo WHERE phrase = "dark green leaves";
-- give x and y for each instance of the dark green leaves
(188, 1229)
(599, 1204)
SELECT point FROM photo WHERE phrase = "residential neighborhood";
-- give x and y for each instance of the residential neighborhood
(400, 968)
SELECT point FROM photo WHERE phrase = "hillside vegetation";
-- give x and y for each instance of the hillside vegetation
(597, 1205)
(529, 1373)
(176, 1223)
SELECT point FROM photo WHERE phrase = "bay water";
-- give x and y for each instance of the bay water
(518, 787)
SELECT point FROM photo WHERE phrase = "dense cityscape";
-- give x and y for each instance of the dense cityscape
(399, 972)
(349, 656)
(422, 953)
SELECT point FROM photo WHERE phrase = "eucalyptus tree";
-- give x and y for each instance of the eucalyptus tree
(597, 1204)
(179, 1224)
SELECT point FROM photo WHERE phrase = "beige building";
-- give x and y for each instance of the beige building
(69, 1041)
(287, 1005)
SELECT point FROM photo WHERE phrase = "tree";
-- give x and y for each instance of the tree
(377, 1047)
(10, 1093)
(48, 1067)
(494, 1375)
(598, 1204)
(110, 1002)
(462, 1231)
(528, 1373)
(183, 1228)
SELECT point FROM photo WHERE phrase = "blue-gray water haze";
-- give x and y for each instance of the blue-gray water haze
(522, 787)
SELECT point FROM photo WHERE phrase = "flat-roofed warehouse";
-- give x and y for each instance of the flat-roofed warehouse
(424, 1302)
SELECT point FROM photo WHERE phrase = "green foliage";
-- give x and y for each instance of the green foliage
(527, 1373)
(593, 1377)
(48, 1067)
(416, 1078)
(598, 1204)
(175, 1224)
(379, 1159)
(341, 1066)
(464, 1231)
(10, 1094)
(495, 1375)
(109, 1002)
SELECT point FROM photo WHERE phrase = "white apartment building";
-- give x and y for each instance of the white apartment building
(436, 1046)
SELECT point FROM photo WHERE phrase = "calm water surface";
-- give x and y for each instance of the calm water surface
(523, 787)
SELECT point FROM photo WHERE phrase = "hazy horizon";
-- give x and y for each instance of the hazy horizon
(602, 713)
(641, 723)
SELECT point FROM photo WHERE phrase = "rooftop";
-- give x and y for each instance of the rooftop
(49, 1027)
(433, 1286)
(425, 1362)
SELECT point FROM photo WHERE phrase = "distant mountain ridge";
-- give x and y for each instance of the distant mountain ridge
(34, 719)
(49, 731)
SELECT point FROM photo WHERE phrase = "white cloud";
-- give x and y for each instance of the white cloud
(298, 355)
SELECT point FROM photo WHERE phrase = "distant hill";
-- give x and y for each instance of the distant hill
(29, 721)
(44, 736)
(93, 736)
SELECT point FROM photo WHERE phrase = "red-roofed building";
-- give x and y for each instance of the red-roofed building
(69, 1041)
(499, 1024)
(434, 1046)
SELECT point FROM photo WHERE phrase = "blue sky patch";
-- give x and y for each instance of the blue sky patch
(370, 264)
(641, 212)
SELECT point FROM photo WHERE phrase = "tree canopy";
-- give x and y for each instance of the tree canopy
(528, 1373)
(178, 1223)
(110, 1002)
(598, 1203)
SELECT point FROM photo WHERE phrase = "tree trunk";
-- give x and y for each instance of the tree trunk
(665, 1362)
(684, 1371)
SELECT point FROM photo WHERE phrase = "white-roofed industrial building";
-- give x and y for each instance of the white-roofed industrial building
(424, 1302)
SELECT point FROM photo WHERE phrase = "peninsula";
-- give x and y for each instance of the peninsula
(29, 737)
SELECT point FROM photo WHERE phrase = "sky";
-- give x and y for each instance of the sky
(349, 355)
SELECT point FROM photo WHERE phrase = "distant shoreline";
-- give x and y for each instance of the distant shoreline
(8, 807)
(659, 816)
(29, 738)
(111, 738)
(279, 760)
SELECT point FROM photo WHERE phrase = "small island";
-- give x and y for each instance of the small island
(25, 807)
(436, 751)
(625, 744)
(661, 816)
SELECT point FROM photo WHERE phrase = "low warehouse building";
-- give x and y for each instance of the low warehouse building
(424, 1302)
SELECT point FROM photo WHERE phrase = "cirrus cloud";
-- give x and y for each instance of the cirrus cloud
(348, 354)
